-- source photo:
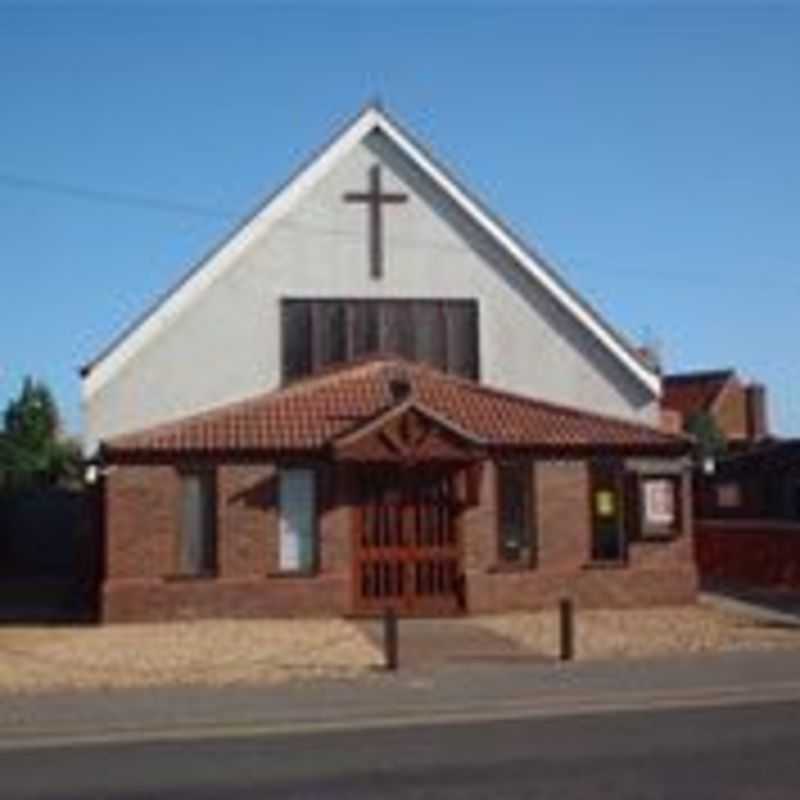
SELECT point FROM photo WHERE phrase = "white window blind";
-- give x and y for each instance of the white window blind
(297, 520)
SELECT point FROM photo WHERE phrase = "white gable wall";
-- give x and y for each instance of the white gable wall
(225, 344)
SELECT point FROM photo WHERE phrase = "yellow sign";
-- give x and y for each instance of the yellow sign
(604, 503)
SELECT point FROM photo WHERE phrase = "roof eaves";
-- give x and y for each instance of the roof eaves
(572, 411)
(534, 255)
(85, 369)
(699, 375)
(383, 120)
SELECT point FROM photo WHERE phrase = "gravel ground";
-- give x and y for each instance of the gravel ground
(212, 653)
(642, 633)
(263, 652)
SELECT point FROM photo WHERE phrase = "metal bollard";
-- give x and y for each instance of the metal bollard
(566, 614)
(390, 638)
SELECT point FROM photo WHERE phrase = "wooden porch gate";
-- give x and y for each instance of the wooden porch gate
(407, 555)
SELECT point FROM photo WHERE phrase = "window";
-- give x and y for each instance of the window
(515, 513)
(197, 548)
(298, 518)
(609, 542)
(729, 495)
(317, 333)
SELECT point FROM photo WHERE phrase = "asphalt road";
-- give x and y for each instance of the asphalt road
(750, 751)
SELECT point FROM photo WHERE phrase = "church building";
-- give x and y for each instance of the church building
(373, 394)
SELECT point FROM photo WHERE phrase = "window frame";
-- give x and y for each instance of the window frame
(372, 325)
(313, 567)
(527, 551)
(207, 477)
(599, 470)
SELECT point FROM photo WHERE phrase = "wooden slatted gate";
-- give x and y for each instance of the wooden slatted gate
(406, 548)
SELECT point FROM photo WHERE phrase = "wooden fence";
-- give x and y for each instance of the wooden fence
(757, 553)
(50, 555)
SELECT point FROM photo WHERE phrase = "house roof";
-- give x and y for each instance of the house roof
(316, 412)
(222, 257)
(694, 392)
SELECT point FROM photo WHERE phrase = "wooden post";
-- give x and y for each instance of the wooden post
(390, 638)
(566, 614)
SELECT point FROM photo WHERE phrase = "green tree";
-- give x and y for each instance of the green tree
(710, 442)
(32, 450)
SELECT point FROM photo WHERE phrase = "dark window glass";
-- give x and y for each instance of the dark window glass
(296, 338)
(329, 324)
(397, 328)
(515, 513)
(316, 333)
(363, 328)
(197, 553)
(607, 499)
(462, 339)
(431, 333)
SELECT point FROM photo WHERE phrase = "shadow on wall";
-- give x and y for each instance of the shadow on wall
(264, 494)
(50, 556)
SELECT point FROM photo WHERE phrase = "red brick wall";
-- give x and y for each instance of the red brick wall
(143, 521)
(564, 525)
(730, 410)
(141, 518)
(247, 520)
(477, 526)
(657, 572)
(142, 524)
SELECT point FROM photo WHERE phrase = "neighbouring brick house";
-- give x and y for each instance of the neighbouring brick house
(738, 408)
(336, 412)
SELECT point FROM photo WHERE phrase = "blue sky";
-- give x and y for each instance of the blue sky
(650, 150)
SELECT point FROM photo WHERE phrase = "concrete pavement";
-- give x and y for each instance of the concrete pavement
(762, 605)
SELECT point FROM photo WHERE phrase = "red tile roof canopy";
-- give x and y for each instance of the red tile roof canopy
(316, 415)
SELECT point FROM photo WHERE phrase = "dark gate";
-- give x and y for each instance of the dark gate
(406, 545)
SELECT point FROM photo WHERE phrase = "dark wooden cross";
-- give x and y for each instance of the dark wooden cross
(374, 198)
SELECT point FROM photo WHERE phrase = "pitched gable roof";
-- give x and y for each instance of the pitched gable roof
(372, 118)
(694, 392)
(317, 412)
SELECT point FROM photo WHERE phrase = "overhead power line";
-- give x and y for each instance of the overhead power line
(112, 197)
(313, 227)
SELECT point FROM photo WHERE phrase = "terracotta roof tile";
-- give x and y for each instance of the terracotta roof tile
(311, 413)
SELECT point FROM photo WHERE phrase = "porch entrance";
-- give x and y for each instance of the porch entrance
(407, 553)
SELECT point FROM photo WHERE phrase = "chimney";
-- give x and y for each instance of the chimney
(756, 402)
